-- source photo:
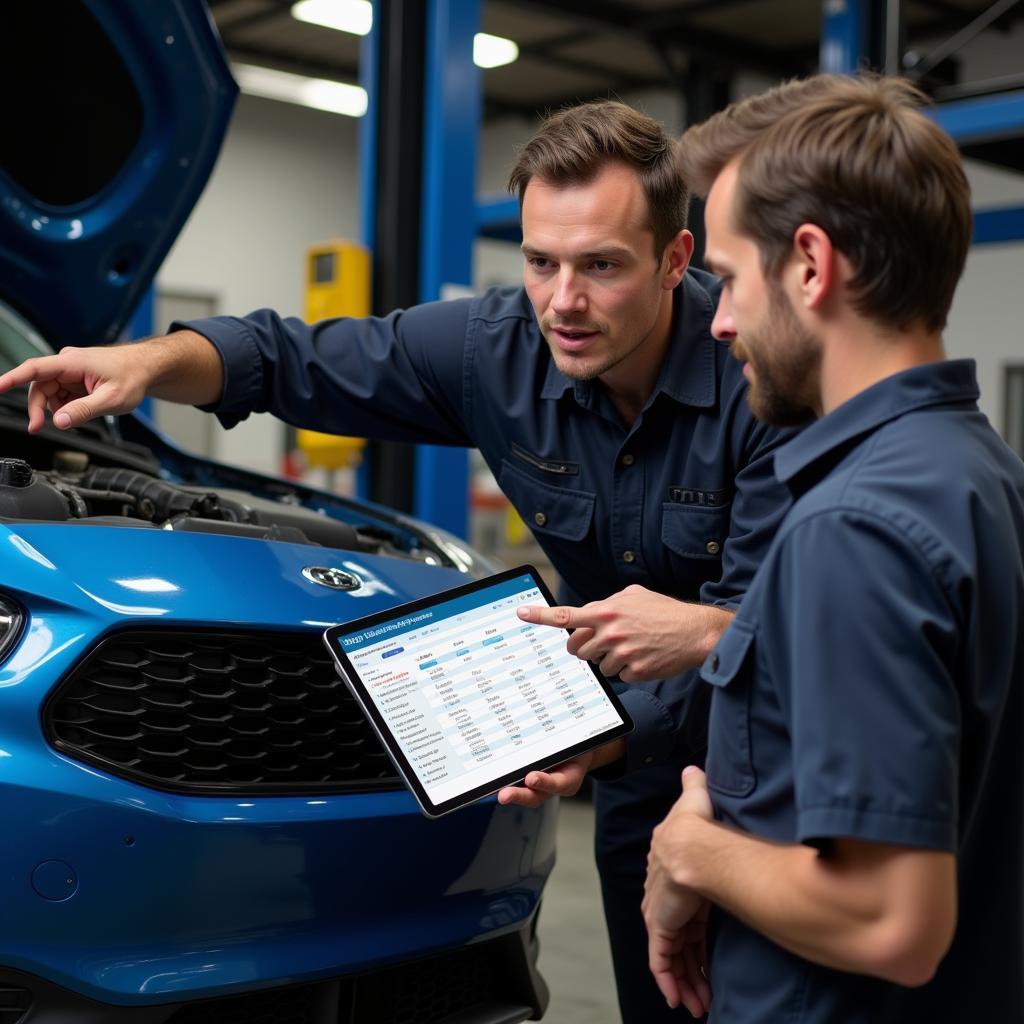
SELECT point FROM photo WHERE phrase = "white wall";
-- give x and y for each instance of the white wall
(988, 311)
(287, 178)
(985, 323)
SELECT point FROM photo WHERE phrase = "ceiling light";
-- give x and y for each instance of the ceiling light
(319, 93)
(355, 16)
(493, 51)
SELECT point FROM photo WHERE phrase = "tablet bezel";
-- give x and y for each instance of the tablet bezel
(389, 741)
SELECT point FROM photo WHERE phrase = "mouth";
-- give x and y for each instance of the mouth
(573, 339)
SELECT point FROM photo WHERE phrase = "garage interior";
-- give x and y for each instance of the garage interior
(680, 60)
(412, 176)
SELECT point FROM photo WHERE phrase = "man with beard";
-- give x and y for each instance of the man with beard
(855, 851)
(610, 417)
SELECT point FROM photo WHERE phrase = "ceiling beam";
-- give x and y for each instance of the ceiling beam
(595, 69)
(604, 17)
(345, 72)
(495, 107)
(943, 25)
(545, 47)
(945, 7)
(274, 9)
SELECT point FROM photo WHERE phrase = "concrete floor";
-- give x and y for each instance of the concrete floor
(574, 957)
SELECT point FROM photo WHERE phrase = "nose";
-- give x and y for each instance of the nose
(568, 297)
(722, 327)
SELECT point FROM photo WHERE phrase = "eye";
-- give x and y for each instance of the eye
(603, 265)
(539, 262)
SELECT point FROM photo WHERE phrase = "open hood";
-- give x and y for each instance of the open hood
(113, 115)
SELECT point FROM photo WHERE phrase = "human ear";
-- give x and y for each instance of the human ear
(676, 259)
(814, 258)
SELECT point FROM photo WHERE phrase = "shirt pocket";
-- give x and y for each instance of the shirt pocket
(730, 669)
(694, 532)
(559, 467)
(548, 510)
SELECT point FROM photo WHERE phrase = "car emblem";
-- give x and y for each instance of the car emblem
(336, 579)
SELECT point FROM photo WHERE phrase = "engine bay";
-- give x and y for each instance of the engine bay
(75, 491)
(118, 471)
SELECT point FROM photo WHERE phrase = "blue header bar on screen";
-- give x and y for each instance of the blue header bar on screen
(390, 628)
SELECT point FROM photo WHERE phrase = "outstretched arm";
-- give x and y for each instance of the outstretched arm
(80, 384)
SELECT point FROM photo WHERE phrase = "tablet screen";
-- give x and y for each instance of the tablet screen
(468, 697)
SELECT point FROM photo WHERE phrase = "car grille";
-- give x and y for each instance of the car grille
(215, 712)
(15, 1002)
(283, 1006)
(485, 983)
(431, 992)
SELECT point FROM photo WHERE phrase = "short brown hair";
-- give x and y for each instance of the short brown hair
(574, 145)
(857, 157)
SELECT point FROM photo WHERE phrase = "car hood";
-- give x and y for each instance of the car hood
(108, 578)
(114, 114)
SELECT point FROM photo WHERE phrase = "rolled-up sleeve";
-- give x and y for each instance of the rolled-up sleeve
(395, 378)
(864, 676)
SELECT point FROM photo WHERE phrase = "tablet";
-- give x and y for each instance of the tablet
(466, 697)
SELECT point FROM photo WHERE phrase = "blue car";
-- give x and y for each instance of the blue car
(199, 824)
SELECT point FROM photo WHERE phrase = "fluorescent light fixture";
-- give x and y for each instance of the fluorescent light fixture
(319, 93)
(355, 16)
(493, 51)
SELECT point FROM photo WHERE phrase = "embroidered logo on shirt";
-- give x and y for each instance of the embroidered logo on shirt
(694, 496)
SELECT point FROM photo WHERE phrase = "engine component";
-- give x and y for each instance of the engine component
(154, 499)
(23, 494)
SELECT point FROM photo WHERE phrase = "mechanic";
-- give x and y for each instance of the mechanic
(611, 419)
(858, 835)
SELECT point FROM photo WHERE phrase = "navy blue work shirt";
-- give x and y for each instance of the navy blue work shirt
(683, 501)
(870, 688)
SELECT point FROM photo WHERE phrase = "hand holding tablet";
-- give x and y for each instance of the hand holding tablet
(467, 697)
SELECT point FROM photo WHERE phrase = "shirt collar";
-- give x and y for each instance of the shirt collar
(946, 383)
(688, 373)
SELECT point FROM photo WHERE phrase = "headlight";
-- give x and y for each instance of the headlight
(12, 618)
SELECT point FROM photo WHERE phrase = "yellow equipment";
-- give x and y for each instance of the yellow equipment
(337, 284)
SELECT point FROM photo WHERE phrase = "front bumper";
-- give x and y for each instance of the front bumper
(130, 896)
(492, 982)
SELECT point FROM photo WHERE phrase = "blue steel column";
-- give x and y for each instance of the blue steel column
(986, 119)
(843, 36)
(368, 181)
(451, 118)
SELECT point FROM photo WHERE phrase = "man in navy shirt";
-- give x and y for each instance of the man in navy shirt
(858, 836)
(610, 417)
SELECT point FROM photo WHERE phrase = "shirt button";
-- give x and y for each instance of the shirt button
(629, 556)
(713, 663)
(627, 459)
(712, 547)
(649, 759)
(539, 518)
